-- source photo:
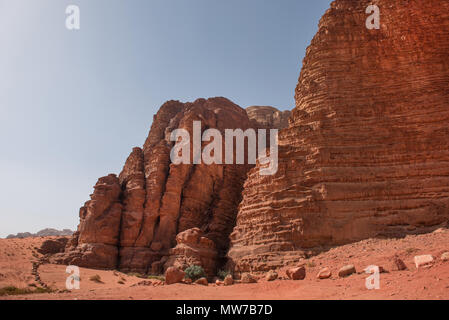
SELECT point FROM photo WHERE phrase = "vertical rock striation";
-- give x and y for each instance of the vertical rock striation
(133, 220)
(367, 149)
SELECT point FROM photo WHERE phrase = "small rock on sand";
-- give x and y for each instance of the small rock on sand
(346, 271)
(174, 275)
(271, 275)
(228, 280)
(423, 261)
(202, 281)
(248, 278)
(298, 273)
(324, 273)
(398, 264)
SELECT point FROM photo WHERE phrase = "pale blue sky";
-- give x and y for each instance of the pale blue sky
(74, 103)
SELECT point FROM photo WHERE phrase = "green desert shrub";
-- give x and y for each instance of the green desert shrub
(13, 291)
(223, 273)
(155, 277)
(194, 273)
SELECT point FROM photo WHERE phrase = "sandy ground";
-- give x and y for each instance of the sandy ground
(16, 256)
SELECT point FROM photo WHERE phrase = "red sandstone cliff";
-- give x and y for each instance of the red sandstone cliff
(132, 221)
(367, 149)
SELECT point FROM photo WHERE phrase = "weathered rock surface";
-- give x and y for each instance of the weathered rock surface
(133, 220)
(346, 271)
(398, 264)
(271, 275)
(193, 249)
(174, 275)
(95, 244)
(423, 261)
(298, 273)
(202, 281)
(228, 280)
(367, 149)
(248, 278)
(324, 273)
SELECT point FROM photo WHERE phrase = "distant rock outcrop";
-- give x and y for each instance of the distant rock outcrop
(138, 221)
(43, 233)
(367, 149)
(268, 117)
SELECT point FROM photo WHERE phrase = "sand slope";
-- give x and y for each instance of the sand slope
(16, 256)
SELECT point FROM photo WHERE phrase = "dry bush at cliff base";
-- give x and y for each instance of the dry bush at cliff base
(155, 277)
(150, 276)
(96, 278)
(13, 291)
(223, 273)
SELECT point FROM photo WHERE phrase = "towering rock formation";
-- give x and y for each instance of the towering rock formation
(367, 149)
(133, 220)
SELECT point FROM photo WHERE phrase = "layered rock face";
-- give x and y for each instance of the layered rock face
(133, 220)
(367, 149)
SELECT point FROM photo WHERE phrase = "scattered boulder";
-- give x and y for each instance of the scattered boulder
(324, 273)
(445, 256)
(382, 270)
(398, 264)
(202, 281)
(423, 261)
(298, 273)
(218, 282)
(174, 275)
(346, 271)
(248, 278)
(271, 275)
(228, 280)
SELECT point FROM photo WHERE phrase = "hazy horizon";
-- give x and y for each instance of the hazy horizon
(75, 103)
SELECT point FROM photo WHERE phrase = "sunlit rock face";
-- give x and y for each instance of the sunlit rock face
(367, 149)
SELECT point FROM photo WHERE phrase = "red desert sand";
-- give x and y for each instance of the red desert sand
(17, 255)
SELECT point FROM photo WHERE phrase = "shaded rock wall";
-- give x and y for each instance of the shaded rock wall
(367, 149)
